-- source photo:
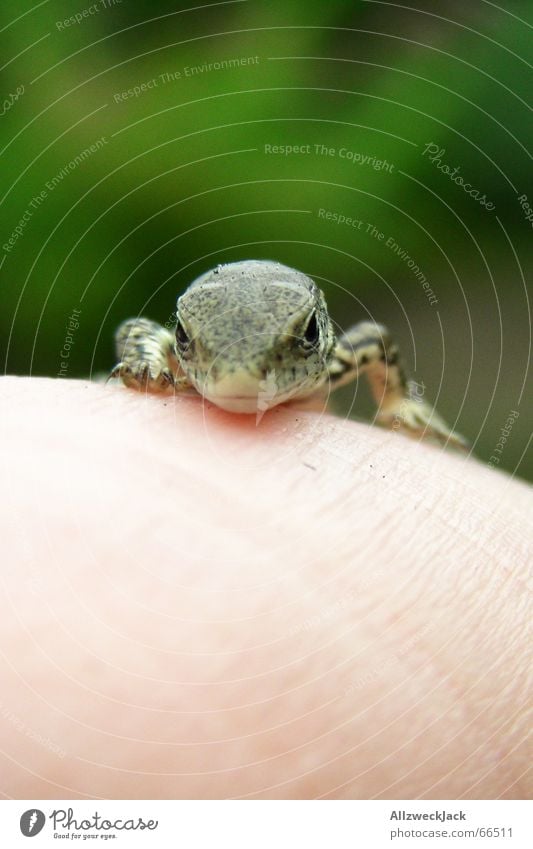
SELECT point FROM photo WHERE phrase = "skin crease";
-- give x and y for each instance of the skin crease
(194, 606)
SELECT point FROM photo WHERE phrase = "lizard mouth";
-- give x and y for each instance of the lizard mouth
(250, 404)
(240, 392)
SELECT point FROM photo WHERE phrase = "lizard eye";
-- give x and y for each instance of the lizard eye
(183, 341)
(312, 332)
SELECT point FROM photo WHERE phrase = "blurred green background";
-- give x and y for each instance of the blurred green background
(182, 179)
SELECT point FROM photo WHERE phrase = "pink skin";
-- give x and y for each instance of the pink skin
(194, 606)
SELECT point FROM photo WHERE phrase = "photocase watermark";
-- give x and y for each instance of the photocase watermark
(32, 822)
(526, 208)
(79, 159)
(505, 432)
(66, 820)
(38, 199)
(7, 715)
(416, 394)
(65, 824)
(184, 73)
(402, 254)
(390, 662)
(435, 155)
(337, 607)
(220, 65)
(339, 218)
(353, 156)
(170, 323)
(88, 12)
(370, 229)
(20, 229)
(12, 99)
(69, 340)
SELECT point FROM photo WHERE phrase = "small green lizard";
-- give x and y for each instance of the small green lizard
(250, 335)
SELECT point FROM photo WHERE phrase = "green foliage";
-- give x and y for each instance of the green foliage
(183, 180)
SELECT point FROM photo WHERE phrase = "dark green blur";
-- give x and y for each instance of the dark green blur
(181, 179)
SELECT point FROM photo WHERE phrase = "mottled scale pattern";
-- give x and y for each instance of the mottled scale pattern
(252, 314)
(253, 334)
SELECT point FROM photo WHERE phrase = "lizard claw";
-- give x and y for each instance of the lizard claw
(143, 377)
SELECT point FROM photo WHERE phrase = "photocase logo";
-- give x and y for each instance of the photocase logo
(32, 822)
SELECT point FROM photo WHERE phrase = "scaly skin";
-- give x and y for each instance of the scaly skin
(254, 334)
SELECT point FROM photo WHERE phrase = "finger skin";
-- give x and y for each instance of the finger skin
(196, 605)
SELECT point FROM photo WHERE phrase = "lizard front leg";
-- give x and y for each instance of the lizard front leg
(146, 356)
(368, 348)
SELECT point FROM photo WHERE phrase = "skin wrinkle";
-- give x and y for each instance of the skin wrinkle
(361, 563)
(447, 510)
(495, 757)
(460, 697)
(520, 782)
(447, 505)
(424, 469)
(499, 764)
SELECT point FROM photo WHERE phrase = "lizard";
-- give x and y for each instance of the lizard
(253, 334)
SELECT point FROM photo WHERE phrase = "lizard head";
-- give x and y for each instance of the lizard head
(253, 334)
